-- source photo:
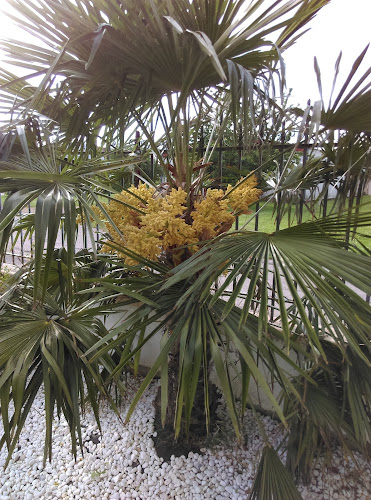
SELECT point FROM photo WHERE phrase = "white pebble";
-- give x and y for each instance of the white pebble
(124, 464)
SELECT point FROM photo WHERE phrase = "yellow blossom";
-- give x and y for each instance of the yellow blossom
(155, 225)
(211, 216)
(244, 195)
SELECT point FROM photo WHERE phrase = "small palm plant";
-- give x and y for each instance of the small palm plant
(42, 347)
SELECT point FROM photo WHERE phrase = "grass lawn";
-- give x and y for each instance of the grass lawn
(267, 219)
(3, 197)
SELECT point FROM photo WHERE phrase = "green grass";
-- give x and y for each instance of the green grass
(267, 219)
(3, 197)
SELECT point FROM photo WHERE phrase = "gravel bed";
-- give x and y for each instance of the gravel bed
(123, 464)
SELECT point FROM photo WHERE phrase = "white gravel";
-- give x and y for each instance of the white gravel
(124, 464)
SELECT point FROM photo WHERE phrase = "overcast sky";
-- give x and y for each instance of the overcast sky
(341, 25)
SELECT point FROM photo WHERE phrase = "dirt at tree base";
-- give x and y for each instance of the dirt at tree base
(163, 437)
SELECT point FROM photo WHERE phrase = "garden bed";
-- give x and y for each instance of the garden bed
(122, 462)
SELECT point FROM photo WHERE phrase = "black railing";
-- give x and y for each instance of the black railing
(21, 247)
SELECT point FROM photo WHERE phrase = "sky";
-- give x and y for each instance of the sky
(341, 25)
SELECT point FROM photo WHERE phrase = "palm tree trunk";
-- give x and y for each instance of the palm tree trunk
(199, 424)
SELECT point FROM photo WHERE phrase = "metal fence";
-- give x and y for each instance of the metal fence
(21, 247)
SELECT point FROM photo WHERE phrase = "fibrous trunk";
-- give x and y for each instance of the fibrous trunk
(201, 421)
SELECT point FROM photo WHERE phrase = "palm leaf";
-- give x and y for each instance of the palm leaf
(198, 332)
(307, 262)
(61, 191)
(334, 410)
(272, 480)
(107, 64)
(44, 346)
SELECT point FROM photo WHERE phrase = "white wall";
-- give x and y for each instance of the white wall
(151, 350)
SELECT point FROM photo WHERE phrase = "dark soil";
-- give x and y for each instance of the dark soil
(164, 441)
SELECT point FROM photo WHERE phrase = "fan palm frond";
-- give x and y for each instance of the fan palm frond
(272, 479)
(306, 261)
(115, 58)
(62, 191)
(43, 347)
(334, 410)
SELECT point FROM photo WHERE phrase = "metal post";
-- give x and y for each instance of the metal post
(221, 157)
(278, 217)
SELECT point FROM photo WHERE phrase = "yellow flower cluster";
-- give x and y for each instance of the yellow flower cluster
(151, 225)
(244, 195)
(211, 216)
(158, 226)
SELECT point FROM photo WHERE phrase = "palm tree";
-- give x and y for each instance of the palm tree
(115, 67)
(42, 345)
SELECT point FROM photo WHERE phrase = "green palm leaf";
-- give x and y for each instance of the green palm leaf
(61, 191)
(334, 410)
(198, 335)
(45, 346)
(109, 68)
(272, 480)
(307, 261)
(350, 111)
